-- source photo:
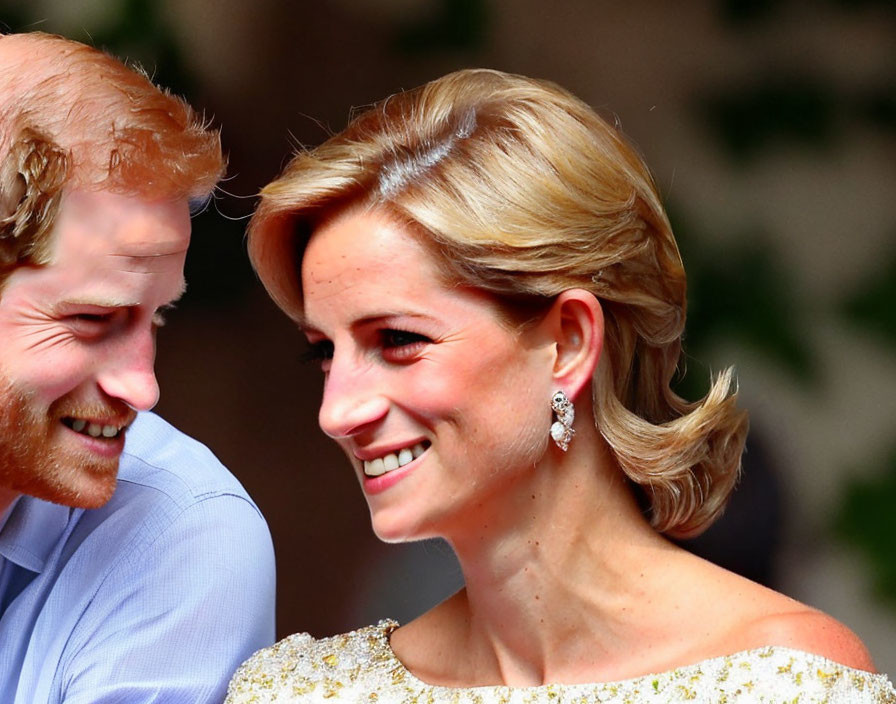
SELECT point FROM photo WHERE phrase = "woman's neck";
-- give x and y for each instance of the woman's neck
(565, 553)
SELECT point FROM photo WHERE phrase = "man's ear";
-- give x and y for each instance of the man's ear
(576, 322)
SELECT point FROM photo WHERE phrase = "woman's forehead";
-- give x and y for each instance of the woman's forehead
(358, 240)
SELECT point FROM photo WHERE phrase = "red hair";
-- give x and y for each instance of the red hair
(74, 116)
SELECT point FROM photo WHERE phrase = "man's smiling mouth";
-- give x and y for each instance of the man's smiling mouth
(94, 430)
(394, 460)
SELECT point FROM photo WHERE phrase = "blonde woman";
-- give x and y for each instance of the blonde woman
(486, 272)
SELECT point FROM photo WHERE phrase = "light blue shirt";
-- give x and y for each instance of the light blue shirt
(156, 597)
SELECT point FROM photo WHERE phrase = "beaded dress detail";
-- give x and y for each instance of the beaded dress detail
(360, 667)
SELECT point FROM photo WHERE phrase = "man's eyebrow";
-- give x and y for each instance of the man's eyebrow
(101, 300)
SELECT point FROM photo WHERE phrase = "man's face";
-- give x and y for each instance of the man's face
(77, 343)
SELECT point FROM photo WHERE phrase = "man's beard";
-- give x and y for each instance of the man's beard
(32, 462)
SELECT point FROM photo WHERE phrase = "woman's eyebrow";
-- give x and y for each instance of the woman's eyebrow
(305, 324)
(390, 315)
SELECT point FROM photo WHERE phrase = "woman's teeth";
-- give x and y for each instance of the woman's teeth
(381, 465)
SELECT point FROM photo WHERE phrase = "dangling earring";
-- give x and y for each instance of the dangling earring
(561, 430)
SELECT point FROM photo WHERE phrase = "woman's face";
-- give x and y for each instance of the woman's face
(438, 405)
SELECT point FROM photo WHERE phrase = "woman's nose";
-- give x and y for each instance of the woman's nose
(352, 399)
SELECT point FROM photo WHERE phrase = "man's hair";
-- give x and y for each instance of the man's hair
(525, 192)
(72, 116)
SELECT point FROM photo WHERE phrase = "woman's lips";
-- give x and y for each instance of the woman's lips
(393, 460)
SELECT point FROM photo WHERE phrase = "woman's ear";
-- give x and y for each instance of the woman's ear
(577, 325)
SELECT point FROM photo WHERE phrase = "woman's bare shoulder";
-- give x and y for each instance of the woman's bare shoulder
(803, 628)
(758, 616)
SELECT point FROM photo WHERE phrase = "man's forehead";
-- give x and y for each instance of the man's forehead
(106, 224)
(163, 244)
(146, 263)
(120, 252)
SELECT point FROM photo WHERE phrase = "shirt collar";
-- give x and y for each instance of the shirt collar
(8, 510)
(32, 529)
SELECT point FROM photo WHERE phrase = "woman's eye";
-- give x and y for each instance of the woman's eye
(402, 338)
(318, 351)
(401, 345)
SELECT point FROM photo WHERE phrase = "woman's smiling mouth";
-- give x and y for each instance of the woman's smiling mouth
(394, 460)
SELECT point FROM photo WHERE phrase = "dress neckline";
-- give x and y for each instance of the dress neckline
(385, 627)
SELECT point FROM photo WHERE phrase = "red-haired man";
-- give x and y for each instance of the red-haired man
(133, 566)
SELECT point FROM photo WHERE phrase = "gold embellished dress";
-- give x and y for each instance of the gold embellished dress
(360, 667)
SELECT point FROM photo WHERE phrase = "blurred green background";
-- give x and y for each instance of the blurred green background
(771, 129)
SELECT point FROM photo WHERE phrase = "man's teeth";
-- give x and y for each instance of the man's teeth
(94, 430)
(381, 465)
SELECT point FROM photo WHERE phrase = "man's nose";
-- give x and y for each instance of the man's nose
(128, 372)
(353, 400)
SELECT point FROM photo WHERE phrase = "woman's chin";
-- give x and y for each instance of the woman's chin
(394, 534)
(392, 529)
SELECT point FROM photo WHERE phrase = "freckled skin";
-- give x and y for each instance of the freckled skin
(363, 273)
(79, 342)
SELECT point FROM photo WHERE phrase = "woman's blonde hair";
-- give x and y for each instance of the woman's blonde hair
(525, 192)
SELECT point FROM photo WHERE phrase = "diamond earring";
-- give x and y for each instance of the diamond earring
(561, 430)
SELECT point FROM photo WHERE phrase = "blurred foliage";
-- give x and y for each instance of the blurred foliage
(865, 515)
(741, 292)
(456, 24)
(865, 519)
(761, 112)
(139, 31)
(873, 304)
(774, 110)
(133, 29)
(14, 19)
(750, 116)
